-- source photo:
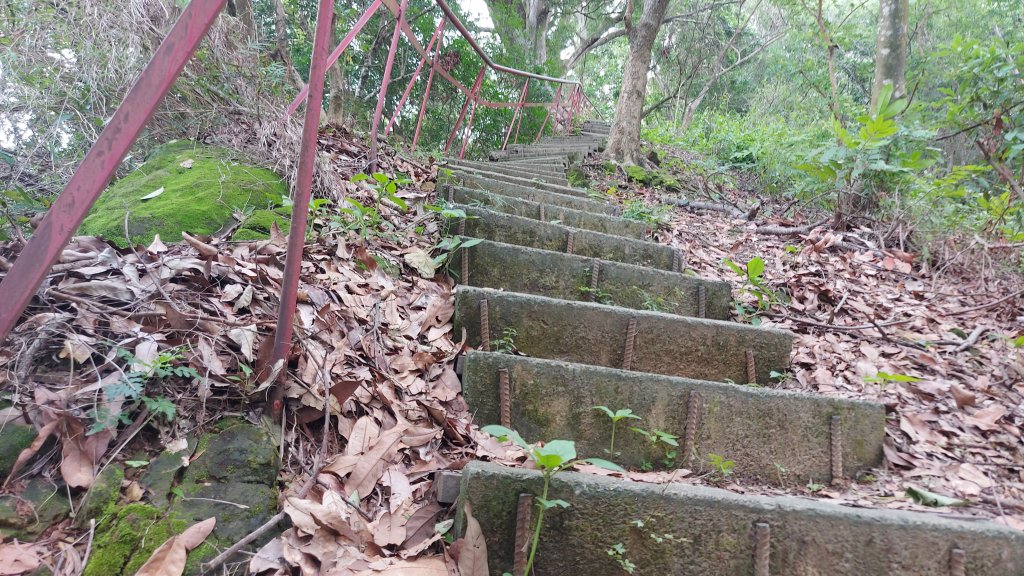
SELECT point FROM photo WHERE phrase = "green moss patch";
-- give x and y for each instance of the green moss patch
(203, 187)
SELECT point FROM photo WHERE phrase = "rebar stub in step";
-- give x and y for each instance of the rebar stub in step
(627, 354)
(524, 521)
(751, 368)
(485, 327)
(542, 218)
(677, 261)
(570, 241)
(957, 562)
(702, 301)
(465, 266)
(504, 399)
(762, 548)
(836, 448)
(595, 274)
(690, 431)
(462, 227)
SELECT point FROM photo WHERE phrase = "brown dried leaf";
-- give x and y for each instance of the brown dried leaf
(473, 551)
(169, 559)
(17, 558)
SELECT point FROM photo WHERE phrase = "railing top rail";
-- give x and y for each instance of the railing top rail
(487, 60)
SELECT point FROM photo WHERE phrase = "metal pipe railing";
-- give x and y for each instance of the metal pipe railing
(64, 217)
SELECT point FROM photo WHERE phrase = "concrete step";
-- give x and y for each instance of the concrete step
(642, 341)
(570, 277)
(538, 211)
(542, 161)
(499, 227)
(544, 197)
(719, 533)
(526, 182)
(556, 170)
(774, 437)
(550, 176)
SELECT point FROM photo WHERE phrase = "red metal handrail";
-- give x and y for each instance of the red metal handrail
(94, 173)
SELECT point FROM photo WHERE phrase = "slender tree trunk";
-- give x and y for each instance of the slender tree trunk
(243, 10)
(283, 51)
(624, 140)
(336, 82)
(538, 15)
(891, 48)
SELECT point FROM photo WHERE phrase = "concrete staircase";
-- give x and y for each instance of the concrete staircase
(596, 315)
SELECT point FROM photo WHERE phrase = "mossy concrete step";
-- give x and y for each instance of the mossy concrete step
(546, 213)
(642, 341)
(571, 277)
(555, 176)
(549, 169)
(491, 225)
(718, 533)
(539, 196)
(527, 182)
(540, 161)
(773, 436)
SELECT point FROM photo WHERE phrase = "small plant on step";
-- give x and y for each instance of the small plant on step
(448, 246)
(755, 285)
(507, 343)
(597, 294)
(884, 378)
(550, 459)
(641, 212)
(615, 417)
(720, 467)
(618, 553)
(660, 440)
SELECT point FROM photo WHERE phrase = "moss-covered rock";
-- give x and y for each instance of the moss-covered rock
(126, 540)
(26, 514)
(203, 187)
(102, 496)
(14, 437)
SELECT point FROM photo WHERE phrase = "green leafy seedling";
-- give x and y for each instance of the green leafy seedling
(615, 417)
(550, 459)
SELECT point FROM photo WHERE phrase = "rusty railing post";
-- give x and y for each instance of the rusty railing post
(94, 173)
(426, 95)
(415, 76)
(462, 114)
(554, 105)
(472, 114)
(300, 206)
(518, 111)
(379, 111)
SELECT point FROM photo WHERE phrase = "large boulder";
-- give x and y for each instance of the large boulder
(185, 186)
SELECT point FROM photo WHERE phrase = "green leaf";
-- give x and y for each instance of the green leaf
(136, 463)
(554, 454)
(755, 268)
(606, 464)
(921, 496)
(608, 411)
(506, 434)
(359, 177)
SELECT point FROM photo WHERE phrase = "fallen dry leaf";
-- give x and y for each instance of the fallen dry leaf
(473, 551)
(18, 558)
(169, 559)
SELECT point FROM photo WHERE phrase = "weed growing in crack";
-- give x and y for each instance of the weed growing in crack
(131, 388)
(550, 459)
(659, 439)
(720, 467)
(615, 417)
(507, 343)
(618, 553)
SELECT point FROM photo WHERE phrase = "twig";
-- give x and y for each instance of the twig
(972, 339)
(787, 230)
(840, 327)
(989, 305)
(711, 206)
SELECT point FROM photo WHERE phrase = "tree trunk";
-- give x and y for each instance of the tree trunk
(336, 82)
(537, 18)
(243, 10)
(624, 140)
(283, 51)
(891, 48)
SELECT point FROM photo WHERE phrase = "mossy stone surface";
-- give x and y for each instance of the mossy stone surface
(198, 197)
(39, 504)
(14, 438)
(102, 496)
(127, 539)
